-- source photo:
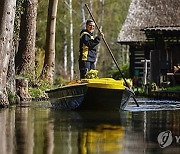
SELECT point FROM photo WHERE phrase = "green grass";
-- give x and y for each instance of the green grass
(174, 88)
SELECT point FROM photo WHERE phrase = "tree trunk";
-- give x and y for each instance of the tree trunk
(90, 7)
(26, 53)
(101, 23)
(49, 61)
(71, 40)
(83, 15)
(11, 82)
(65, 47)
(7, 15)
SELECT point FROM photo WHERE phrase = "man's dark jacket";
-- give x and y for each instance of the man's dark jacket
(88, 46)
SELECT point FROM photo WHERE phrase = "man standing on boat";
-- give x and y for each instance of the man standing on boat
(88, 43)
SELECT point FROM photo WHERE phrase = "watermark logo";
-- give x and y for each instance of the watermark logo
(165, 138)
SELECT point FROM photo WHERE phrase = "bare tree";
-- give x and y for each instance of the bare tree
(25, 61)
(71, 40)
(101, 23)
(49, 61)
(83, 14)
(65, 46)
(7, 15)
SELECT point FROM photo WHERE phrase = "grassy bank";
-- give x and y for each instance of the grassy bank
(174, 88)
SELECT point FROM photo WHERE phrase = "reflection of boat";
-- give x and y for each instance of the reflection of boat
(88, 131)
(104, 93)
(104, 139)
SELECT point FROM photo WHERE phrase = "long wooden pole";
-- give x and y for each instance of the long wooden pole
(111, 53)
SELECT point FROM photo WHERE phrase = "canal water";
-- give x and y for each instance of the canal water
(36, 128)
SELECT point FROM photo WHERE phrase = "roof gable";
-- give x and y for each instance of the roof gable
(149, 13)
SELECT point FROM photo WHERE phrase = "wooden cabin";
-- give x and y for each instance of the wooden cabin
(152, 31)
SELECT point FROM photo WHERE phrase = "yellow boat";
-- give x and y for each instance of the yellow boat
(91, 94)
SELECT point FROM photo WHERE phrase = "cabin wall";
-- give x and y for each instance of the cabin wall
(137, 55)
(162, 48)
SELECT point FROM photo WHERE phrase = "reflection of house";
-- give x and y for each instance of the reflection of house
(152, 30)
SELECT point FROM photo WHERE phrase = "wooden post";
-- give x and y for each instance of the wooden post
(145, 61)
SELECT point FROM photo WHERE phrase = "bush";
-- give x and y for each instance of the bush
(125, 71)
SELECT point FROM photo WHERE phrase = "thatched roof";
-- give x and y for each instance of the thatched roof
(144, 14)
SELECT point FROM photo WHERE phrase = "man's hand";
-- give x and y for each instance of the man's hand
(101, 35)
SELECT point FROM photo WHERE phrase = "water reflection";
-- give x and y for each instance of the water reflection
(34, 130)
(92, 132)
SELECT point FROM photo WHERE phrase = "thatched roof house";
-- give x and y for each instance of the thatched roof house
(152, 31)
(152, 14)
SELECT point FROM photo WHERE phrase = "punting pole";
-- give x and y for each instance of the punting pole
(111, 53)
